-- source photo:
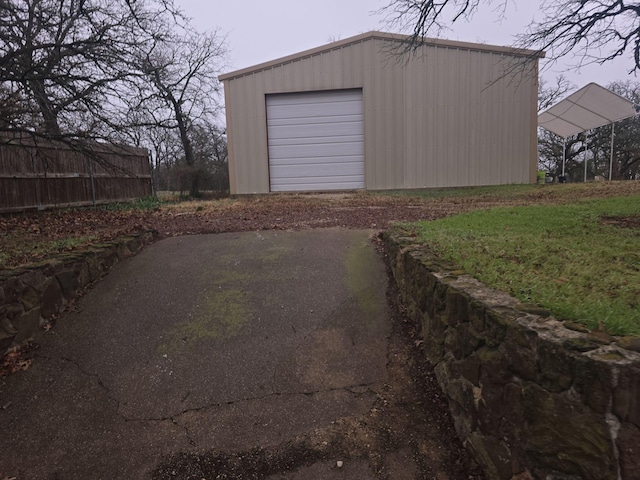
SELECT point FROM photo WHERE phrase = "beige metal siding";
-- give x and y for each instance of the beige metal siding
(246, 108)
(446, 117)
(247, 137)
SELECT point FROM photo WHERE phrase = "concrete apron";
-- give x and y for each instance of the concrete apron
(203, 343)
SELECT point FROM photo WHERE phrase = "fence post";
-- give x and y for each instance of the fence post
(154, 174)
(93, 187)
(36, 179)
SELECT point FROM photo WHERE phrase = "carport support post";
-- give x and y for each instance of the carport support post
(613, 126)
(564, 154)
(586, 149)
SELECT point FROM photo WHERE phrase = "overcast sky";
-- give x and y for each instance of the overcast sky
(262, 30)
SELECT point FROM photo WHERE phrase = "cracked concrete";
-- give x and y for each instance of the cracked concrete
(218, 343)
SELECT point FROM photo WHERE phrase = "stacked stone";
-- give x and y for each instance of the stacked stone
(531, 397)
(32, 295)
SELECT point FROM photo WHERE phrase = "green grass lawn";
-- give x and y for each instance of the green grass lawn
(503, 191)
(576, 260)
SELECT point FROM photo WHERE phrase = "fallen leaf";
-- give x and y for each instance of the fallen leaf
(22, 365)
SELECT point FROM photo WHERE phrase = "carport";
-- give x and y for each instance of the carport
(590, 107)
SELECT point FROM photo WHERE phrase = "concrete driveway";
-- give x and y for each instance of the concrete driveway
(249, 355)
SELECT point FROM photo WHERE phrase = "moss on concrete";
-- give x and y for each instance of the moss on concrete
(229, 276)
(273, 254)
(222, 314)
(360, 264)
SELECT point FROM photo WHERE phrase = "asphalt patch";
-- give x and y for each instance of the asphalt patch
(407, 434)
(270, 355)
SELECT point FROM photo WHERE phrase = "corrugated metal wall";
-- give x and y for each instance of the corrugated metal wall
(448, 116)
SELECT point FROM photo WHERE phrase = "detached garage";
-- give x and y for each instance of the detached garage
(355, 115)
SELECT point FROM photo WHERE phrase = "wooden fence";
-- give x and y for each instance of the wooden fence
(39, 175)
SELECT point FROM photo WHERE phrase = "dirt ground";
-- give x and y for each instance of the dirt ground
(269, 212)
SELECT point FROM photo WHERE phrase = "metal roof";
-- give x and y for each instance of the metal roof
(392, 37)
(590, 107)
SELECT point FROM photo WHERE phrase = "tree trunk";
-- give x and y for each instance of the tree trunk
(189, 157)
(49, 116)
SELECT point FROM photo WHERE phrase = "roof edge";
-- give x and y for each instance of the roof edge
(376, 35)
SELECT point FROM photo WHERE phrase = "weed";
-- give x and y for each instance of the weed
(37, 249)
(146, 203)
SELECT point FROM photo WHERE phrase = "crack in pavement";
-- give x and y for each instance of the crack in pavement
(397, 435)
(376, 412)
(95, 376)
(352, 389)
(187, 433)
(322, 324)
(358, 390)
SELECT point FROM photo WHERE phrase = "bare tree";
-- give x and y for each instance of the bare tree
(549, 144)
(626, 160)
(65, 61)
(210, 145)
(550, 154)
(182, 89)
(626, 151)
(77, 71)
(422, 18)
(597, 31)
(210, 158)
(549, 94)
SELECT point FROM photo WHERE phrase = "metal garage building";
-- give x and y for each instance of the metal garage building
(354, 115)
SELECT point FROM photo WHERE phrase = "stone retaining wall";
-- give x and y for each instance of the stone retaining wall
(29, 296)
(531, 397)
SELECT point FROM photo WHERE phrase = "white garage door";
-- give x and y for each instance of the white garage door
(316, 141)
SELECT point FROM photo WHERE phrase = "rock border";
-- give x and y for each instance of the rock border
(30, 296)
(531, 397)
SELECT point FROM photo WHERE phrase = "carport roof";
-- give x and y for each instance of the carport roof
(590, 107)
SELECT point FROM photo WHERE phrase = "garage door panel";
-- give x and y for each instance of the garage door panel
(319, 161)
(276, 122)
(318, 180)
(316, 141)
(333, 183)
(316, 110)
(280, 142)
(318, 150)
(314, 131)
(316, 97)
(311, 170)
(325, 179)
